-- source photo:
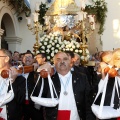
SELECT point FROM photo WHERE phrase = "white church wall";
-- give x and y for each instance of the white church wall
(109, 38)
(27, 35)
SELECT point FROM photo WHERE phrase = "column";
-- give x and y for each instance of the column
(14, 43)
(1, 33)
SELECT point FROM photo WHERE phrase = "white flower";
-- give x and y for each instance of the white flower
(52, 54)
(58, 45)
(71, 49)
(49, 46)
(59, 40)
(68, 49)
(53, 43)
(87, 51)
(77, 45)
(56, 50)
(37, 51)
(48, 57)
(41, 44)
(42, 51)
(45, 43)
(41, 39)
(52, 38)
(52, 48)
(65, 42)
(48, 36)
(56, 38)
(50, 41)
(76, 51)
(62, 46)
(69, 45)
(73, 46)
(47, 50)
(46, 39)
(82, 57)
(80, 51)
(81, 43)
(45, 35)
(43, 47)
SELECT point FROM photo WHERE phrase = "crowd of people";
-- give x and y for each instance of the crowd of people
(76, 85)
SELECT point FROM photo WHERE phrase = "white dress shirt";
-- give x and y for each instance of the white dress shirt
(67, 102)
(3, 90)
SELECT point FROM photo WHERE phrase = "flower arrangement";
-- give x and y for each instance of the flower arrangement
(99, 9)
(85, 56)
(76, 47)
(52, 43)
(72, 45)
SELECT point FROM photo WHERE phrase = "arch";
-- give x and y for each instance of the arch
(9, 21)
(7, 18)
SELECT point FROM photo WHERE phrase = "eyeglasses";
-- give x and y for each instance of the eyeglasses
(29, 57)
(3, 56)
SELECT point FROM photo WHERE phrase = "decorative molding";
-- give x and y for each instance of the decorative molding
(13, 40)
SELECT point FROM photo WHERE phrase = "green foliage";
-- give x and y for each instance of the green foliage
(99, 9)
(42, 12)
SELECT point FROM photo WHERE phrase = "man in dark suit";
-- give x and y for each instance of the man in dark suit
(77, 66)
(73, 91)
(12, 110)
(115, 60)
(29, 109)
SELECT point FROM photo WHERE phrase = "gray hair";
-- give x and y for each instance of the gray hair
(8, 54)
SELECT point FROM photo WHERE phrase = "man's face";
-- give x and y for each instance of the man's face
(28, 59)
(62, 62)
(16, 56)
(76, 60)
(40, 60)
(3, 60)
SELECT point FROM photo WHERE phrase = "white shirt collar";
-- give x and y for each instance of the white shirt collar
(67, 75)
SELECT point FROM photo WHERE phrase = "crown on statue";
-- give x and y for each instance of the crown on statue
(66, 7)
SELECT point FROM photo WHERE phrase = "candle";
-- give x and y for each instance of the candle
(116, 24)
(35, 17)
(28, 20)
(91, 19)
(84, 15)
(37, 6)
(82, 4)
(80, 16)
